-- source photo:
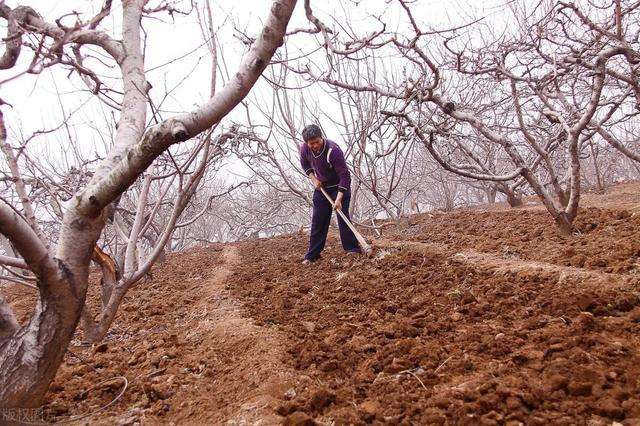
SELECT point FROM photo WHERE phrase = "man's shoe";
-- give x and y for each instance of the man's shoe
(354, 253)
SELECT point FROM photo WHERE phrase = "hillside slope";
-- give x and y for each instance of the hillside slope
(472, 317)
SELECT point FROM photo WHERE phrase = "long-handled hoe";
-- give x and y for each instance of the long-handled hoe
(364, 245)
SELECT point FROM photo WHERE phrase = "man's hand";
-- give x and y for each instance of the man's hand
(316, 183)
(337, 205)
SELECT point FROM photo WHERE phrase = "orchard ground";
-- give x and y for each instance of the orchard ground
(486, 315)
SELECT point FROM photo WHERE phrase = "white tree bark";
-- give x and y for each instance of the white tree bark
(21, 190)
(30, 357)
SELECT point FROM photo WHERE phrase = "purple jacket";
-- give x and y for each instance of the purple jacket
(328, 166)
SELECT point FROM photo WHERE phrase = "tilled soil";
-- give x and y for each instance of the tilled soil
(606, 235)
(604, 239)
(188, 350)
(472, 317)
(423, 339)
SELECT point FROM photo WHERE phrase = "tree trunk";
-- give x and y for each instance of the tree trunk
(491, 194)
(96, 331)
(8, 323)
(596, 169)
(30, 358)
(109, 271)
(564, 223)
(514, 199)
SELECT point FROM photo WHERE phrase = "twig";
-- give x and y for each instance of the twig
(417, 378)
(113, 401)
(442, 365)
(18, 281)
(397, 375)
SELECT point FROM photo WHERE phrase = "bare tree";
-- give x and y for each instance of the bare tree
(534, 96)
(30, 355)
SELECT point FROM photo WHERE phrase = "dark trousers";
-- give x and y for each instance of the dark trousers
(321, 220)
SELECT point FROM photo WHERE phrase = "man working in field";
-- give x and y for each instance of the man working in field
(323, 161)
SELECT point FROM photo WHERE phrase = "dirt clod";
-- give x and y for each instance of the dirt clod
(299, 418)
(609, 407)
(321, 398)
(579, 388)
